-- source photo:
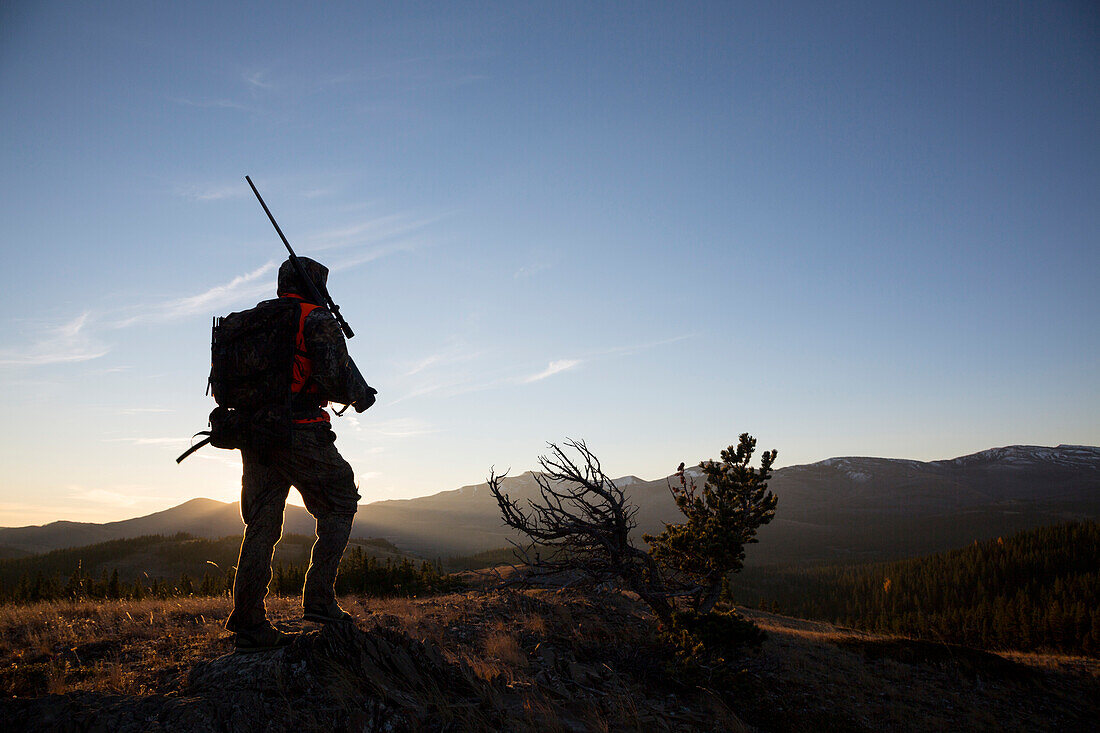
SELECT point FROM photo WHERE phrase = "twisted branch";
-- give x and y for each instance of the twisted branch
(579, 529)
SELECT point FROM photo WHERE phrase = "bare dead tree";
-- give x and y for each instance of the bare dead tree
(581, 525)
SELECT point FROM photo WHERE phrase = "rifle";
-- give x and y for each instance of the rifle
(319, 297)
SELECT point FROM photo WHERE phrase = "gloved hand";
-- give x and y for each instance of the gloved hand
(365, 403)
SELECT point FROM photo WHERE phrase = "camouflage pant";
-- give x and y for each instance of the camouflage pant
(327, 485)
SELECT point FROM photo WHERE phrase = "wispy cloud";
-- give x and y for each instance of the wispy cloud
(459, 385)
(424, 364)
(236, 188)
(227, 458)
(561, 365)
(124, 495)
(377, 229)
(252, 285)
(101, 496)
(208, 103)
(257, 80)
(645, 345)
(374, 253)
(555, 367)
(425, 389)
(404, 427)
(66, 343)
(529, 270)
(223, 294)
(334, 80)
(243, 287)
(213, 192)
(450, 388)
(446, 357)
(147, 441)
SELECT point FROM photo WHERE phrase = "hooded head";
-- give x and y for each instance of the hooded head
(289, 282)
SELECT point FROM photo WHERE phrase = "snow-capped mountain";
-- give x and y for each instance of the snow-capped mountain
(1084, 457)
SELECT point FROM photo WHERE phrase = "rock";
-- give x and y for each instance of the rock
(579, 673)
(547, 654)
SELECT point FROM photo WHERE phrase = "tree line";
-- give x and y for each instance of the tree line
(365, 574)
(1035, 590)
(80, 585)
(63, 574)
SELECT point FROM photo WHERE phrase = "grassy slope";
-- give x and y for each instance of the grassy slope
(565, 661)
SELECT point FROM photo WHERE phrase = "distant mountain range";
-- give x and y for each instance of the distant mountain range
(877, 508)
(838, 509)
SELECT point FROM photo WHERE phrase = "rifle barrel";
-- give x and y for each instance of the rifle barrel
(269, 216)
(320, 298)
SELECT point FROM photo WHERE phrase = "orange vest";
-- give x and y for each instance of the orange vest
(303, 366)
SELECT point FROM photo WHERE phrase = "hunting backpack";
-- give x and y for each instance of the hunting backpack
(252, 353)
(251, 373)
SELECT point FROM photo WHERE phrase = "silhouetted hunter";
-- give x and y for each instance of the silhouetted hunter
(274, 368)
(310, 463)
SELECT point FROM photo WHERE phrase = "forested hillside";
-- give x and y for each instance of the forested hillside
(1038, 589)
(179, 565)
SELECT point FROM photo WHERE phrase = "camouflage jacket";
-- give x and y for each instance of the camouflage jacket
(331, 373)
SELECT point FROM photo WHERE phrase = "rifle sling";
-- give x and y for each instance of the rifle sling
(196, 446)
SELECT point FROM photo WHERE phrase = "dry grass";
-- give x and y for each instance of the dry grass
(132, 647)
(567, 662)
(503, 645)
(534, 623)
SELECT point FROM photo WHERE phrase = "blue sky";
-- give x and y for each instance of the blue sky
(856, 228)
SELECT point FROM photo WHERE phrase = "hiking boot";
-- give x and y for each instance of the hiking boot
(261, 639)
(332, 613)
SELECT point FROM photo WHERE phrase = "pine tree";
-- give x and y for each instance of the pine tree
(210, 585)
(721, 520)
(114, 589)
(75, 589)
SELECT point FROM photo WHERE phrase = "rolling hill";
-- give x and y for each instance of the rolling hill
(839, 509)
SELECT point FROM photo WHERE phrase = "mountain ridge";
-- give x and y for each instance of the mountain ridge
(841, 507)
